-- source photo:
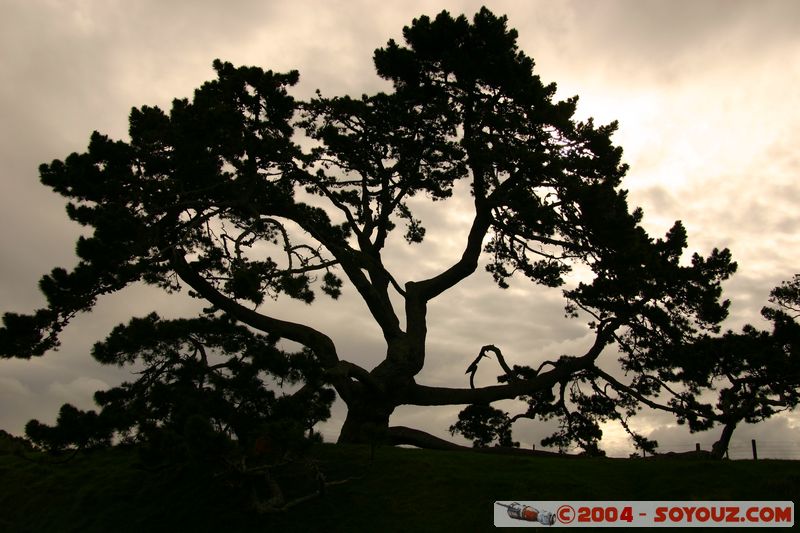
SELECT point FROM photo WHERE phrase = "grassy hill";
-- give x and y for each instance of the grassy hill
(401, 490)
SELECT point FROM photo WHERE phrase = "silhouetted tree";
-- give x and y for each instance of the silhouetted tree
(74, 429)
(756, 373)
(206, 397)
(713, 380)
(203, 371)
(217, 196)
(484, 425)
(12, 444)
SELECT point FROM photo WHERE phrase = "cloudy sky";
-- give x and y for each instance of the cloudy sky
(706, 93)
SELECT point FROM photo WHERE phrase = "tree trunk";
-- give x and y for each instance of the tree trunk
(721, 446)
(371, 400)
(367, 422)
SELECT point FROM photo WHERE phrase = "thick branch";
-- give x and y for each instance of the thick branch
(388, 205)
(619, 386)
(339, 205)
(564, 369)
(352, 261)
(423, 395)
(500, 359)
(472, 369)
(419, 293)
(348, 370)
(375, 295)
(320, 343)
(431, 288)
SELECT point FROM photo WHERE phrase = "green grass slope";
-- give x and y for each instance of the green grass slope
(401, 490)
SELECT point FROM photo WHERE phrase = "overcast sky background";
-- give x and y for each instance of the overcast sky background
(706, 94)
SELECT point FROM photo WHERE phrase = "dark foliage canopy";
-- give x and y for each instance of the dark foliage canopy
(244, 194)
(207, 392)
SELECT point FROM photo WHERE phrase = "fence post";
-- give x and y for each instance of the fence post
(755, 451)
